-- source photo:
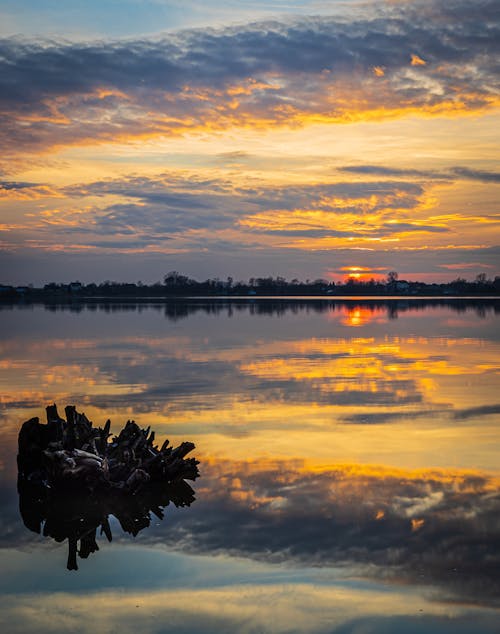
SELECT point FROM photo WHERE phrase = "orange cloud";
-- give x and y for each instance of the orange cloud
(466, 265)
(417, 61)
(14, 191)
(249, 86)
(417, 524)
(117, 117)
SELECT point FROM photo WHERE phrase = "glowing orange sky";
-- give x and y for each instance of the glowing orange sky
(220, 152)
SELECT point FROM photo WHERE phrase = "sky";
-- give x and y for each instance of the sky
(302, 139)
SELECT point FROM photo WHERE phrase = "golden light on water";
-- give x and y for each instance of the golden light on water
(357, 317)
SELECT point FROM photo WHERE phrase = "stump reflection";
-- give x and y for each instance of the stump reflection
(79, 518)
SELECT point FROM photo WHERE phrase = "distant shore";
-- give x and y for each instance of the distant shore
(177, 286)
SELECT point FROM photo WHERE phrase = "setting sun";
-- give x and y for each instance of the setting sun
(358, 274)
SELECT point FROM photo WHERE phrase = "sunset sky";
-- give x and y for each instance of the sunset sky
(293, 138)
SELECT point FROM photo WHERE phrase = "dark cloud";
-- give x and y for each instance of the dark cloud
(476, 412)
(306, 233)
(380, 170)
(273, 72)
(13, 185)
(380, 418)
(451, 174)
(25, 190)
(478, 175)
(396, 227)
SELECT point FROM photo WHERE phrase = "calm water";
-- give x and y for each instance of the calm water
(349, 458)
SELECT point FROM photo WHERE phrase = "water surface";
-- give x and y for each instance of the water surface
(349, 459)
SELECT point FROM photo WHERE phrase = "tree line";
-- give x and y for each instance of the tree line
(177, 284)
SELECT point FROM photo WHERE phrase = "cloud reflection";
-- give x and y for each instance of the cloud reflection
(436, 528)
(63, 515)
(244, 608)
(433, 527)
(239, 386)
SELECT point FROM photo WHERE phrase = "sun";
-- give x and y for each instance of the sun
(359, 273)
(356, 272)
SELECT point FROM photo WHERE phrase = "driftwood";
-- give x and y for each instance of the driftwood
(72, 453)
(71, 477)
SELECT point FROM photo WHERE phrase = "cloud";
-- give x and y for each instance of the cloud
(479, 175)
(417, 61)
(380, 418)
(399, 227)
(454, 173)
(464, 266)
(377, 418)
(56, 93)
(172, 212)
(25, 191)
(180, 212)
(476, 412)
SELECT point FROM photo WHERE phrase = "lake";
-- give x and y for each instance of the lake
(349, 459)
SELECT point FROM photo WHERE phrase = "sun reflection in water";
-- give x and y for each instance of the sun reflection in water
(357, 316)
